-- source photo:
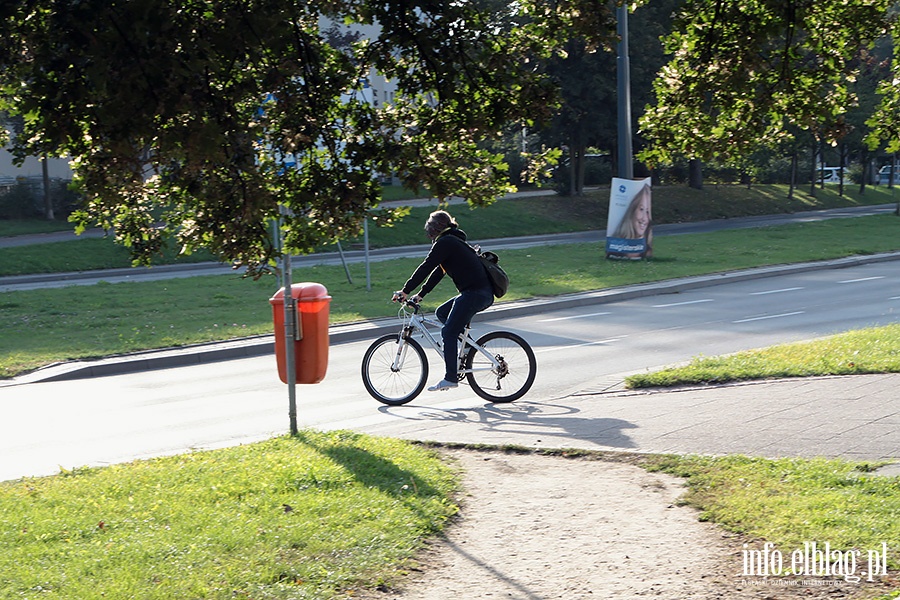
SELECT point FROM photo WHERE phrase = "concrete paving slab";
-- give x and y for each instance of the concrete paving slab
(776, 422)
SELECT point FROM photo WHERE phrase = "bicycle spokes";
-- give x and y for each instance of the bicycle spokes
(501, 367)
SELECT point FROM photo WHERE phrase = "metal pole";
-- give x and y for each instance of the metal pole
(290, 329)
(344, 262)
(366, 244)
(623, 80)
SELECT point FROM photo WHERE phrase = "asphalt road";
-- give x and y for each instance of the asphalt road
(581, 350)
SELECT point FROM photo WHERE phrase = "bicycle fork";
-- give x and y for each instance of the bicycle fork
(400, 356)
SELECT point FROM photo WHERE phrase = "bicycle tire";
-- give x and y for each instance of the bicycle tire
(516, 377)
(382, 382)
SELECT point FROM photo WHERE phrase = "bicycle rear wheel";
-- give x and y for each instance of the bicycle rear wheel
(394, 385)
(515, 375)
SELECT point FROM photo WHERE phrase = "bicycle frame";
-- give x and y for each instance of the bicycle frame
(417, 324)
(499, 366)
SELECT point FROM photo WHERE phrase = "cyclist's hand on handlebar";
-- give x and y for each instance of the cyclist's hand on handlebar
(415, 299)
(399, 296)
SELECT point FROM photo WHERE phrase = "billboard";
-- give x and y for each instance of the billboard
(629, 224)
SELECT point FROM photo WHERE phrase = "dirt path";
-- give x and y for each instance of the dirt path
(535, 527)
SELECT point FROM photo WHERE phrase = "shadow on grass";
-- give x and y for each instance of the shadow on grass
(370, 469)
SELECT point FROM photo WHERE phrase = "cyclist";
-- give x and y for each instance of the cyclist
(450, 254)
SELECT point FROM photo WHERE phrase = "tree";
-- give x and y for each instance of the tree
(885, 119)
(587, 91)
(873, 68)
(210, 116)
(588, 114)
(743, 73)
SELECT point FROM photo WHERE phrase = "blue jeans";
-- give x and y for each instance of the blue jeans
(455, 314)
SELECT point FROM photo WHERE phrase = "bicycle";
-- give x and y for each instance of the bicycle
(500, 366)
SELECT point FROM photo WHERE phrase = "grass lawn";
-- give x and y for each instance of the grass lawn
(792, 501)
(39, 327)
(327, 515)
(11, 227)
(87, 254)
(508, 218)
(525, 216)
(871, 350)
(318, 515)
(312, 516)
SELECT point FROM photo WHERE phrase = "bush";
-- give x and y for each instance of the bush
(64, 199)
(25, 199)
(598, 170)
(766, 170)
(18, 202)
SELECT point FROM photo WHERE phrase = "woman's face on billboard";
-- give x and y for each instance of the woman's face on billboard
(642, 214)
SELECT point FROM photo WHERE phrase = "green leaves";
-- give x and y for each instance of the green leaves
(885, 121)
(742, 73)
(199, 120)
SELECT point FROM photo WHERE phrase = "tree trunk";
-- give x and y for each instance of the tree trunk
(695, 174)
(577, 149)
(893, 169)
(48, 201)
(576, 154)
(891, 185)
(812, 176)
(573, 159)
(866, 172)
(579, 184)
(841, 169)
(821, 172)
(793, 180)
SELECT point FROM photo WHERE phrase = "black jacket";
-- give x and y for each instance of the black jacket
(452, 255)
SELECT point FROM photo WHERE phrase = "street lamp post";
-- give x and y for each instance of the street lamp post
(623, 81)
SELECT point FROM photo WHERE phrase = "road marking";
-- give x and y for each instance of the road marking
(861, 279)
(572, 317)
(682, 303)
(790, 314)
(791, 289)
(582, 345)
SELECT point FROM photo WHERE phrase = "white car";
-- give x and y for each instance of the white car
(829, 175)
(884, 175)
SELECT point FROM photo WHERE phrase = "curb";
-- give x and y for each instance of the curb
(352, 332)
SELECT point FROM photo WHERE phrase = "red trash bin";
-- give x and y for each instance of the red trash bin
(311, 343)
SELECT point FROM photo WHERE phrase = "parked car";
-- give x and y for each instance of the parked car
(884, 175)
(830, 175)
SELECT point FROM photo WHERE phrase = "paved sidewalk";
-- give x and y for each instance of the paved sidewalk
(853, 417)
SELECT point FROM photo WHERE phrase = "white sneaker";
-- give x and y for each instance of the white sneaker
(442, 385)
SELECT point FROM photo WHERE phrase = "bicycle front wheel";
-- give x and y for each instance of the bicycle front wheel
(394, 370)
(512, 377)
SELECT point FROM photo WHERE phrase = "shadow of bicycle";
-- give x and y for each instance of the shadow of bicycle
(530, 421)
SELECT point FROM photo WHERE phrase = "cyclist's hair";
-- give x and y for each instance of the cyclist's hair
(437, 222)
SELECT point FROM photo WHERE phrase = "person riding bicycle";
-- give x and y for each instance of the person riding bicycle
(452, 255)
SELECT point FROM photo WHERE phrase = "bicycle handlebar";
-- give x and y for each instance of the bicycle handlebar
(407, 302)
